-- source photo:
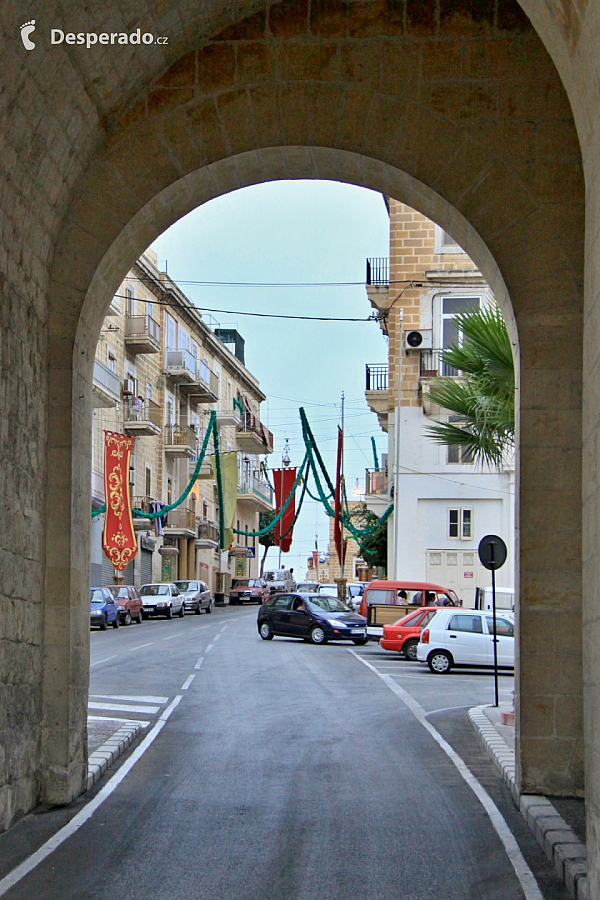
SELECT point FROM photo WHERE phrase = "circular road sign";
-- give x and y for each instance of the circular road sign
(492, 551)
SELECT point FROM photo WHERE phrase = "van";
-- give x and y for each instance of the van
(505, 598)
(384, 602)
(280, 581)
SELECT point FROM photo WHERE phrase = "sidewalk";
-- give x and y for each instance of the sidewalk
(559, 827)
(106, 742)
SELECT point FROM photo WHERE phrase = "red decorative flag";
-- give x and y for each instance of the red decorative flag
(284, 479)
(118, 539)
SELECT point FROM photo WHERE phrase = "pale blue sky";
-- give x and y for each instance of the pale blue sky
(290, 232)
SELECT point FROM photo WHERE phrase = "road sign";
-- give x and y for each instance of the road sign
(492, 552)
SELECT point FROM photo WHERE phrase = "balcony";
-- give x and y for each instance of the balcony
(142, 334)
(253, 489)
(140, 523)
(180, 365)
(252, 436)
(377, 496)
(106, 387)
(208, 536)
(205, 473)
(181, 523)
(204, 387)
(432, 365)
(378, 271)
(377, 392)
(180, 441)
(142, 419)
(228, 417)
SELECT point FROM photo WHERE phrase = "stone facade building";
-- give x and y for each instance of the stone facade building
(445, 503)
(159, 371)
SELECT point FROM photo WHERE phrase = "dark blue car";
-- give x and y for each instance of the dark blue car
(313, 617)
(104, 609)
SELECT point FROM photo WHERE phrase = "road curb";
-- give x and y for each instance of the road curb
(102, 758)
(558, 841)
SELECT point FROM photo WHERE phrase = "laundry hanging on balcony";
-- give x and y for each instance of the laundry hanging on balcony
(119, 540)
(229, 480)
(283, 482)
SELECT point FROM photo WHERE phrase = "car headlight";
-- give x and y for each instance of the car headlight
(336, 623)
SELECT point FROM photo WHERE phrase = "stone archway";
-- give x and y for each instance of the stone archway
(460, 96)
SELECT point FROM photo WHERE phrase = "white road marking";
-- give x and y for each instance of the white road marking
(522, 870)
(209, 648)
(199, 663)
(172, 637)
(120, 707)
(188, 681)
(141, 646)
(223, 628)
(88, 811)
(98, 661)
(136, 699)
(114, 719)
(216, 638)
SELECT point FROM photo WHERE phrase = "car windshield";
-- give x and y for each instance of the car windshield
(151, 590)
(121, 593)
(322, 603)
(274, 576)
(241, 583)
(187, 585)
(97, 596)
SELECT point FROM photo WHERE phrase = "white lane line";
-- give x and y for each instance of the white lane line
(522, 870)
(209, 648)
(141, 646)
(171, 637)
(121, 707)
(223, 628)
(88, 811)
(136, 699)
(114, 719)
(98, 661)
(199, 663)
(216, 638)
(447, 709)
(188, 681)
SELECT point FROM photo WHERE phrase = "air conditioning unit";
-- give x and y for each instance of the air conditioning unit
(129, 387)
(419, 340)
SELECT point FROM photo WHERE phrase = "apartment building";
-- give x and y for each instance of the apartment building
(445, 503)
(160, 369)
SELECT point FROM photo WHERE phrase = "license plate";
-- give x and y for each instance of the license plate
(358, 631)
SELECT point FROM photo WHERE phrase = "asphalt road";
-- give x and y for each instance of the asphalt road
(285, 771)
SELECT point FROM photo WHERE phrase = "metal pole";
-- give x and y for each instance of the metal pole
(342, 497)
(396, 472)
(495, 636)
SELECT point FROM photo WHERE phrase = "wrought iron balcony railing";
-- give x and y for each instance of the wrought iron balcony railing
(377, 377)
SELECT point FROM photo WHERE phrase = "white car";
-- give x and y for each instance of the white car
(465, 637)
(162, 599)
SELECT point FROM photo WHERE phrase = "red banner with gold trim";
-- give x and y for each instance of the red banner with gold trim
(283, 480)
(119, 541)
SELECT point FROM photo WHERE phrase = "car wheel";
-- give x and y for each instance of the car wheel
(170, 612)
(317, 635)
(410, 650)
(127, 620)
(182, 611)
(360, 642)
(198, 609)
(144, 615)
(209, 607)
(439, 662)
(265, 631)
(103, 623)
(115, 624)
(140, 617)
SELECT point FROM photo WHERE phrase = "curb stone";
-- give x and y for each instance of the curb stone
(558, 841)
(102, 758)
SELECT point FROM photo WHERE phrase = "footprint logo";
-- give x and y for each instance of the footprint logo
(26, 29)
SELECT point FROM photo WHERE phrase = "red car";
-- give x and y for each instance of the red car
(130, 603)
(403, 635)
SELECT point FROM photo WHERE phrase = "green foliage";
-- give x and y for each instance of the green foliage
(484, 394)
(373, 546)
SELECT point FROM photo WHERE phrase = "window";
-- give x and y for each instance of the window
(445, 243)
(472, 624)
(148, 482)
(129, 301)
(183, 339)
(148, 391)
(149, 308)
(450, 307)
(169, 492)
(503, 626)
(112, 363)
(460, 524)
(171, 330)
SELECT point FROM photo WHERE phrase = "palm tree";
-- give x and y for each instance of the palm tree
(483, 397)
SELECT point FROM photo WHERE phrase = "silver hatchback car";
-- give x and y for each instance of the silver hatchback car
(196, 596)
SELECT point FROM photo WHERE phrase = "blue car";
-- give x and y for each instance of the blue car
(313, 617)
(104, 609)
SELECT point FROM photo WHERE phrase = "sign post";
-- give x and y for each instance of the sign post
(492, 555)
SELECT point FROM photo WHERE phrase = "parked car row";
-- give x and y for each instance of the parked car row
(122, 604)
